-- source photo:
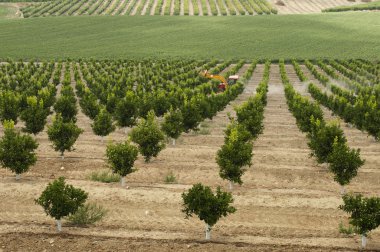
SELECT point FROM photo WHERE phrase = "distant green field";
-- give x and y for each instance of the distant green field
(340, 36)
(358, 7)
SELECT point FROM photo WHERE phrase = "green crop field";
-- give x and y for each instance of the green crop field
(148, 7)
(341, 36)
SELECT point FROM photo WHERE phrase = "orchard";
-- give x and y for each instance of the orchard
(152, 149)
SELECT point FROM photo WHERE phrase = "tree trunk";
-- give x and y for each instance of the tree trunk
(231, 185)
(59, 225)
(208, 232)
(126, 130)
(122, 181)
(364, 241)
(18, 176)
(342, 190)
(62, 156)
(102, 139)
(173, 141)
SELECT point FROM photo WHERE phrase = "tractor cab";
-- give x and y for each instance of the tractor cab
(233, 79)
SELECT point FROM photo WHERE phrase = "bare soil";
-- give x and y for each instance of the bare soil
(307, 6)
(155, 2)
(287, 202)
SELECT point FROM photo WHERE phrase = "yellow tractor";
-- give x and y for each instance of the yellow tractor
(232, 79)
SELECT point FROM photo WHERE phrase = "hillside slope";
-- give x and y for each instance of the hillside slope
(342, 35)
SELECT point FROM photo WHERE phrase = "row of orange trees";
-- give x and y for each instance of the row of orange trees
(359, 105)
(328, 144)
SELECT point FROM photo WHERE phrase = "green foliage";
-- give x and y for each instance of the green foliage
(191, 114)
(359, 106)
(357, 7)
(121, 157)
(204, 131)
(326, 141)
(60, 200)
(209, 207)
(102, 125)
(9, 106)
(89, 213)
(65, 8)
(234, 128)
(16, 150)
(89, 104)
(299, 72)
(34, 115)
(251, 115)
(302, 109)
(344, 163)
(324, 79)
(172, 125)
(322, 137)
(63, 134)
(235, 154)
(104, 176)
(66, 106)
(127, 110)
(170, 178)
(365, 212)
(349, 230)
(148, 136)
(47, 95)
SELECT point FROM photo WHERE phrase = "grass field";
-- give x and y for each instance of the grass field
(340, 36)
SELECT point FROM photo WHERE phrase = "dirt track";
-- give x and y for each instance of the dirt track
(287, 201)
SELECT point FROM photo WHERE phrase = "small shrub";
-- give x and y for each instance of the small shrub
(60, 200)
(200, 200)
(172, 125)
(63, 134)
(170, 178)
(204, 131)
(104, 176)
(205, 125)
(87, 214)
(121, 157)
(148, 136)
(17, 151)
(365, 213)
(349, 230)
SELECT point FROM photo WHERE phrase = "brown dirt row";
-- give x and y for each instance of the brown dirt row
(118, 7)
(154, 6)
(127, 6)
(306, 6)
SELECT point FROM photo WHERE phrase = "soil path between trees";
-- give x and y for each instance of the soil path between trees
(287, 201)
